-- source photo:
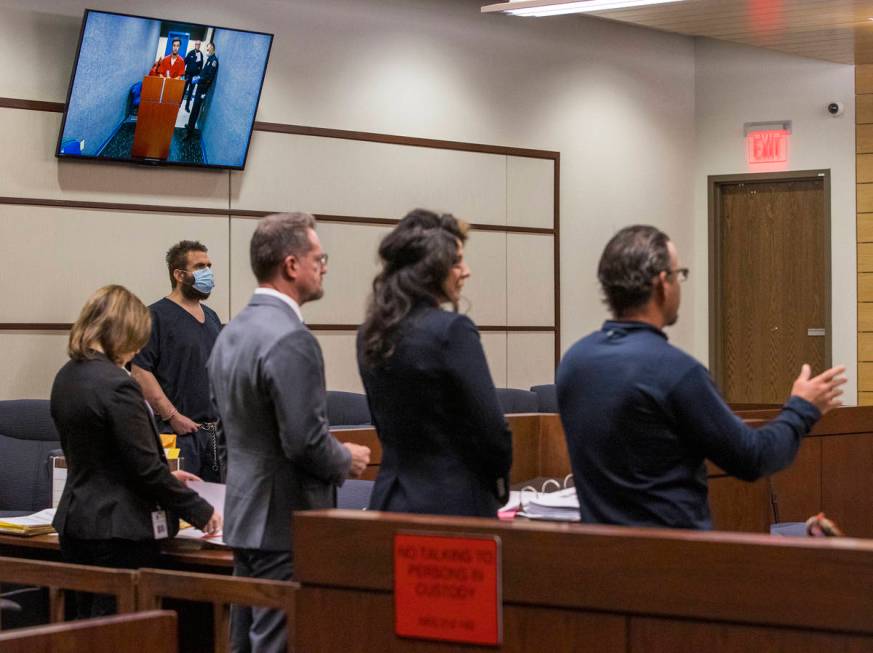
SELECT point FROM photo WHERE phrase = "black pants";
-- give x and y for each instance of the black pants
(260, 630)
(190, 88)
(121, 554)
(199, 97)
(199, 454)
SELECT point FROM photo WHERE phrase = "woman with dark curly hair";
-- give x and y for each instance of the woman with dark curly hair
(446, 448)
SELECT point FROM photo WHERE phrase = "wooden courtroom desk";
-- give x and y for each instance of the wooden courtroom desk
(176, 554)
(833, 471)
(570, 587)
(537, 442)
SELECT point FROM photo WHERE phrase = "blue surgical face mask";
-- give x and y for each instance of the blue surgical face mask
(204, 280)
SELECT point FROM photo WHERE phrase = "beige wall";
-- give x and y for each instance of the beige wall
(616, 101)
(67, 251)
(737, 84)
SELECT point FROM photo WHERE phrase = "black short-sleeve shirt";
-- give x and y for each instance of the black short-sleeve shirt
(176, 354)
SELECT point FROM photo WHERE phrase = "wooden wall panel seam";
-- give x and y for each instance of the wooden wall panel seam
(240, 213)
(345, 134)
(863, 115)
(495, 328)
(230, 212)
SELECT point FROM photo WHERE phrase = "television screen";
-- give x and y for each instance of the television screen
(163, 92)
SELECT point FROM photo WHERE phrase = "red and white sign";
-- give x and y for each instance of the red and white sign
(767, 146)
(448, 588)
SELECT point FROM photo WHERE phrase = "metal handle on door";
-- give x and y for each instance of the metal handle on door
(815, 332)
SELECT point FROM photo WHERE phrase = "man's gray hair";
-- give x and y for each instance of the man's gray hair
(276, 237)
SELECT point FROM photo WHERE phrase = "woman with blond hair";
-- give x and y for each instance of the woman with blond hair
(115, 505)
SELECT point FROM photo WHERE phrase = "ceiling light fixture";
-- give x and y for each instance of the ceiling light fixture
(538, 8)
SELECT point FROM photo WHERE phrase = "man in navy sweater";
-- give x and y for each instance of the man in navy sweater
(641, 416)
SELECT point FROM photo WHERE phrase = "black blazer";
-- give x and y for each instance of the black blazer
(446, 448)
(116, 470)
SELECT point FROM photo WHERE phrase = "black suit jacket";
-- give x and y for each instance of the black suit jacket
(116, 470)
(446, 448)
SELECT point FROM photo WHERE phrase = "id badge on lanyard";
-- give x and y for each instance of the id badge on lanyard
(159, 524)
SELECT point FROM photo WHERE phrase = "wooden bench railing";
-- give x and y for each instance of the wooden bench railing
(60, 578)
(568, 587)
(128, 633)
(221, 592)
(146, 588)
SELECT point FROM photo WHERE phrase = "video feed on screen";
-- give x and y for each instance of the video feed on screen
(163, 92)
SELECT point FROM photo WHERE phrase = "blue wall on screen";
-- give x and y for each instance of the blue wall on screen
(231, 109)
(117, 51)
(183, 43)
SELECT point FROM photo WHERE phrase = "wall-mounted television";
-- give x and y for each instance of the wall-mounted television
(163, 92)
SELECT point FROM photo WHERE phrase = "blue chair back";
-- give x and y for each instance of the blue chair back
(354, 494)
(347, 409)
(547, 398)
(515, 400)
(27, 435)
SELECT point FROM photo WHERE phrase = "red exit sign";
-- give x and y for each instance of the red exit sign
(448, 588)
(768, 146)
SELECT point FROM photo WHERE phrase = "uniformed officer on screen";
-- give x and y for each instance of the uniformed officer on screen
(193, 66)
(204, 82)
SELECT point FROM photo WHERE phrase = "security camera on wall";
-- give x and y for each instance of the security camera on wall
(836, 109)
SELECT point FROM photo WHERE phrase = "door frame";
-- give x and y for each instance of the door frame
(714, 186)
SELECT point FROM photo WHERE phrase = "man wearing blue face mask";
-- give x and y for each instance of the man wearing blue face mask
(171, 368)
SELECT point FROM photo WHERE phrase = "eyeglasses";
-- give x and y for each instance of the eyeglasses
(322, 259)
(681, 273)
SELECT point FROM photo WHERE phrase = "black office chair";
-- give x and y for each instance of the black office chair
(547, 398)
(515, 400)
(354, 494)
(347, 409)
(27, 439)
(27, 436)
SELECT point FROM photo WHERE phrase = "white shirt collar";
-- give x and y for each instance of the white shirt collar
(285, 298)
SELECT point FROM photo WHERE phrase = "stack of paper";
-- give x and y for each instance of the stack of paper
(214, 494)
(39, 523)
(558, 506)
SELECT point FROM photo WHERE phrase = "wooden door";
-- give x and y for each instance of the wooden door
(772, 285)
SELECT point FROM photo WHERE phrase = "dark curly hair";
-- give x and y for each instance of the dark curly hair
(177, 256)
(631, 261)
(416, 257)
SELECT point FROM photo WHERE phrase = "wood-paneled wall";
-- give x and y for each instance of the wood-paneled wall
(864, 180)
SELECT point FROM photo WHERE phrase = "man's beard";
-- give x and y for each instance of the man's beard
(190, 292)
(314, 295)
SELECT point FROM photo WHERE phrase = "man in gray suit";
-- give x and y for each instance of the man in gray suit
(267, 381)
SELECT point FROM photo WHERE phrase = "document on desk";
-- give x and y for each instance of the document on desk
(214, 494)
(38, 523)
(554, 506)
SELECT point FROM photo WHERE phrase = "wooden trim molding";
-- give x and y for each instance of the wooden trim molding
(240, 213)
(66, 326)
(113, 206)
(556, 225)
(36, 326)
(413, 141)
(391, 139)
(31, 105)
(356, 219)
(302, 130)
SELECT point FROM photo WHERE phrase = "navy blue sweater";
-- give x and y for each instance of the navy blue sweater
(641, 416)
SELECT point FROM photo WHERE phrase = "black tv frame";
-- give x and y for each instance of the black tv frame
(156, 162)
